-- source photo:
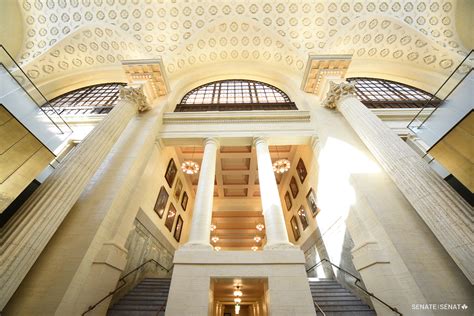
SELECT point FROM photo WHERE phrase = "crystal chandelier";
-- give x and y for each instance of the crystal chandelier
(237, 292)
(237, 300)
(215, 239)
(189, 166)
(281, 165)
(260, 227)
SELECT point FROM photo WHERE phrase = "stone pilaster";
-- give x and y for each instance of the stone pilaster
(202, 213)
(448, 216)
(27, 234)
(277, 235)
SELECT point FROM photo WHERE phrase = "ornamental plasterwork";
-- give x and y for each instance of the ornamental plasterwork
(336, 92)
(66, 36)
(136, 96)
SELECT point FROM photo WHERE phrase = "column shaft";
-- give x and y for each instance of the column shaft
(202, 213)
(448, 216)
(26, 235)
(277, 234)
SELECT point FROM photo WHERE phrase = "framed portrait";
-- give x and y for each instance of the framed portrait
(301, 170)
(161, 201)
(171, 172)
(178, 228)
(303, 217)
(170, 217)
(288, 202)
(178, 189)
(295, 228)
(294, 187)
(184, 201)
(311, 200)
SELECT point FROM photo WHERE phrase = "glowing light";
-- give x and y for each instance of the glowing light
(281, 166)
(215, 239)
(190, 167)
(260, 227)
(213, 227)
(217, 248)
(257, 239)
(254, 248)
(237, 300)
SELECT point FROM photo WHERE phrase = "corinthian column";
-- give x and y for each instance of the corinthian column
(26, 235)
(277, 235)
(448, 216)
(202, 213)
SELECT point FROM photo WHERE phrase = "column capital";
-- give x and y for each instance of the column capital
(135, 96)
(210, 140)
(336, 92)
(260, 140)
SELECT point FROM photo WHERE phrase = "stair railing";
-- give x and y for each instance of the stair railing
(317, 306)
(356, 283)
(124, 282)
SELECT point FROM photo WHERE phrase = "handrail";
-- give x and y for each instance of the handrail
(122, 279)
(355, 283)
(439, 89)
(38, 90)
(317, 306)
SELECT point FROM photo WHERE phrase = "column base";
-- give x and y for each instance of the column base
(281, 246)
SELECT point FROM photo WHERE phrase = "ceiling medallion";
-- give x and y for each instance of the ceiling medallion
(281, 166)
(190, 167)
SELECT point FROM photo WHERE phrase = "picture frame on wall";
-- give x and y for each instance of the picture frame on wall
(311, 200)
(178, 189)
(295, 228)
(170, 217)
(171, 172)
(294, 187)
(178, 228)
(184, 201)
(161, 201)
(301, 170)
(288, 202)
(303, 217)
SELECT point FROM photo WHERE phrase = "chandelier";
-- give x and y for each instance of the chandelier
(254, 248)
(215, 239)
(281, 165)
(257, 239)
(213, 227)
(260, 227)
(237, 291)
(217, 248)
(189, 166)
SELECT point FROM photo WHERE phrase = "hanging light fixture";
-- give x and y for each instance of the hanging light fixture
(190, 166)
(257, 239)
(237, 291)
(215, 239)
(237, 300)
(237, 309)
(217, 248)
(213, 227)
(260, 227)
(254, 248)
(281, 165)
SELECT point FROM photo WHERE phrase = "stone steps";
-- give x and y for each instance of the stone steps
(335, 300)
(145, 299)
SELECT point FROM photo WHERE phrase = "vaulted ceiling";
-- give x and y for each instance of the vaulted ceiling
(62, 36)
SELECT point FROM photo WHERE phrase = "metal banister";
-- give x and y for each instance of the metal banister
(124, 282)
(357, 280)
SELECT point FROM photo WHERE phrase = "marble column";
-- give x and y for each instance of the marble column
(27, 234)
(202, 213)
(277, 235)
(449, 217)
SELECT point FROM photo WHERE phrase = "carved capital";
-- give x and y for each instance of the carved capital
(136, 96)
(336, 92)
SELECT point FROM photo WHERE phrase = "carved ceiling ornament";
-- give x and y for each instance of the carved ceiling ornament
(336, 92)
(136, 96)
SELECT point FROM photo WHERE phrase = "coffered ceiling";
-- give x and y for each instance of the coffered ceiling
(62, 36)
(237, 206)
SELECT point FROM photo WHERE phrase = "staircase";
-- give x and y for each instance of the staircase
(334, 299)
(148, 298)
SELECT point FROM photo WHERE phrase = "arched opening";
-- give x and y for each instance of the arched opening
(235, 95)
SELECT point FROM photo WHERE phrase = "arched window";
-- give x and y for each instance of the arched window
(92, 100)
(235, 95)
(379, 93)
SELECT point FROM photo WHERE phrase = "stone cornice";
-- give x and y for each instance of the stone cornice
(236, 117)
